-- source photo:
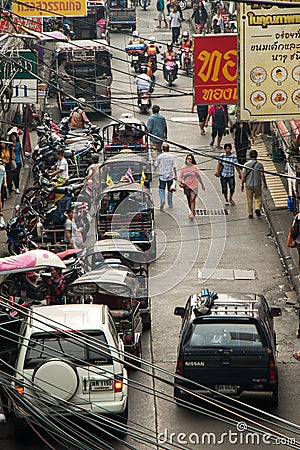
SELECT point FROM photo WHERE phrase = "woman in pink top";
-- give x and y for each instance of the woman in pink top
(188, 179)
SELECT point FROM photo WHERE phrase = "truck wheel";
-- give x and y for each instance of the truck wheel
(274, 397)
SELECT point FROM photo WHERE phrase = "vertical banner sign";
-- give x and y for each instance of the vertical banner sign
(215, 69)
(269, 62)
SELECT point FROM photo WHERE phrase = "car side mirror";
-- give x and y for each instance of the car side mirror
(179, 311)
(275, 312)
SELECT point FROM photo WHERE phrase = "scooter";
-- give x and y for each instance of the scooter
(144, 101)
(187, 60)
(170, 72)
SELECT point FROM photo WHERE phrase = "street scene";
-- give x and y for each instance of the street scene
(149, 266)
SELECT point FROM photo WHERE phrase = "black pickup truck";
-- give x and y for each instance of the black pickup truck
(228, 348)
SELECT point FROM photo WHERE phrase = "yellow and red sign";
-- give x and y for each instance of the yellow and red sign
(38, 8)
(269, 78)
(215, 69)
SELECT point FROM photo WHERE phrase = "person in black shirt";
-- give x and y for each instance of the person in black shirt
(242, 137)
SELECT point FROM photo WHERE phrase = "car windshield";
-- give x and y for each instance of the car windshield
(223, 335)
(43, 346)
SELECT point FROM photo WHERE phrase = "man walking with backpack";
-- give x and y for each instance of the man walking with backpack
(219, 116)
(254, 177)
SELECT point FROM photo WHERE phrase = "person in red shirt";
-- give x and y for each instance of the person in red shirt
(189, 179)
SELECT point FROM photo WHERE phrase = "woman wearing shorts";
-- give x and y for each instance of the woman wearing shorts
(160, 6)
(189, 178)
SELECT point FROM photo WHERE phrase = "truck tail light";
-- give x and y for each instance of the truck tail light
(179, 367)
(272, 370)
(118, 386)
(20, 389)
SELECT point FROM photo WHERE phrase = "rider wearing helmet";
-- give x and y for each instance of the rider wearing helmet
(78, 117)
(185, 43)
(151, 52)
(170, 57)
(135, 39)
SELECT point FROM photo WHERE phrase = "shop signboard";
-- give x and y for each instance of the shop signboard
(215, 69)
(269, 62)
(9, 23)
(24, 90)
(38, 8)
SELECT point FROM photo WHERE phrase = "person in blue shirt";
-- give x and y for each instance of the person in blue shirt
(17, 151)
(157, 126)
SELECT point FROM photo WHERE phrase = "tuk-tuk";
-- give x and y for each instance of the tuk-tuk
(122, 15)
(128, 134)
(115, 286)
(114, 169)
(127, 210)
(25, 273)
(121, 251)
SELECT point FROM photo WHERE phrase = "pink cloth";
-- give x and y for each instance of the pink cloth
(188, 175)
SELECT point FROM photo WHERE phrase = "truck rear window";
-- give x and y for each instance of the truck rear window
(43, 346)
(223, 335)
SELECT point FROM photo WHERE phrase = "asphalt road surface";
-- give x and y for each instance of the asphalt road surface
(225, 242)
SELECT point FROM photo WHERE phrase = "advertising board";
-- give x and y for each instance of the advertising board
(37, 8)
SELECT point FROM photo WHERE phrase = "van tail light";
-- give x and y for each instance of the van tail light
(19, 389)
(179, 367)
(272, 369)
(118, 386)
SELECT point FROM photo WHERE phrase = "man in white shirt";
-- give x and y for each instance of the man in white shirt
(166, 166)
(175, 24)
(61, 171)
(143, 83)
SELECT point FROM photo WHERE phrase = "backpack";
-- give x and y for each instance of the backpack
(159, 6)
(219, 116)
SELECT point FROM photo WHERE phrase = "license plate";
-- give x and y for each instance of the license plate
(100, 385)
(226, 388)
(135, 58)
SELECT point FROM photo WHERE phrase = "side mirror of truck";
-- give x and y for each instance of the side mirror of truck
(275, 312)
(179, 311)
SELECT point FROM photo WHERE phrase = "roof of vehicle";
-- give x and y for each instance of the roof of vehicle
(66, 317)
(114, 245)
(125, 120)
(128, 158)
(134, 187)
(231, 304)
(83, 44)
(109, 279)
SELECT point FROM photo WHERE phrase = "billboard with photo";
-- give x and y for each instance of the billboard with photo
(215, 69)
(269, 62)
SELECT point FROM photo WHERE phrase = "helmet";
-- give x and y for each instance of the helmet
(81, 101)
(152, 40)
(135, 33)
(185, 34)
(144, 69)
(170, 44)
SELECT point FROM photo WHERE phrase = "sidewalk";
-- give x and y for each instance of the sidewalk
(15, 199)
(280, 221)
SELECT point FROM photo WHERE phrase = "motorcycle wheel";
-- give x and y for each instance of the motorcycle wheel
(170, 79)
(13, 249)
(187, 68)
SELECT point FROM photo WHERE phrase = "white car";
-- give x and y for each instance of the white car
(70, 362)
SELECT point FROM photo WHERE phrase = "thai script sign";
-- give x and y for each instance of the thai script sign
(47, 8)
(215, 69)
(269, 62)
(22, 62)
(24, 91)
(9, 23)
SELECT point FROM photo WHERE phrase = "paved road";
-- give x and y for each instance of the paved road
(229, 243)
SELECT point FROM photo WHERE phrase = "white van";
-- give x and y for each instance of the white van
(70, 362)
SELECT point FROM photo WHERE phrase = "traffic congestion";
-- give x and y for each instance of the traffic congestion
(143, 301)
